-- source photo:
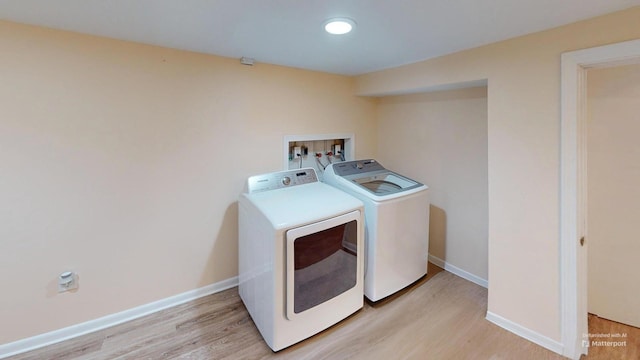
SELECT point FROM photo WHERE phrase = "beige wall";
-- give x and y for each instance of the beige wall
(613, 168)
(440, 139)
(123, 162)
(523, 154)
(112, 155)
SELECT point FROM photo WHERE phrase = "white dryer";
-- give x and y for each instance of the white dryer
(396, 223)
(301, 258)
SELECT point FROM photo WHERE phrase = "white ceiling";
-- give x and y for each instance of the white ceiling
(389, 33)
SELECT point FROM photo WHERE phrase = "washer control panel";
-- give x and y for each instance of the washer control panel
(357, 167)
(282, 179)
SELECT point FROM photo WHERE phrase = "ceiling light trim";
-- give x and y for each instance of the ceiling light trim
(339, 25)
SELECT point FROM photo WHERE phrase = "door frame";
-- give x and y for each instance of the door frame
(573, 177)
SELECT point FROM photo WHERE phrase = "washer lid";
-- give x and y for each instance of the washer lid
(304, 204)
(369, 179)
(385, 183)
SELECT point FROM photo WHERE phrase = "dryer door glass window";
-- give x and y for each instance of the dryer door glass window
(324, 265)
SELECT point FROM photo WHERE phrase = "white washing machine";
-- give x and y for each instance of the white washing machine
(396, 223)
(301, 255)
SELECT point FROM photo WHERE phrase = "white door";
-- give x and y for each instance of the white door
(613, 193)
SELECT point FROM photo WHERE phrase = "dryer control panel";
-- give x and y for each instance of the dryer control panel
(282, 179)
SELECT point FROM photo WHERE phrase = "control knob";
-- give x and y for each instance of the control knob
(286, 180)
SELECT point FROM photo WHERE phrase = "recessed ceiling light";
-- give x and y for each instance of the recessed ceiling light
(339, 26)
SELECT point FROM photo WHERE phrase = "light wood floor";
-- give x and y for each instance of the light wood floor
(440, 317)
(630, 349)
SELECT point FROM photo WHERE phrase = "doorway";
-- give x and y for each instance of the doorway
(613, 175)
(573, 230)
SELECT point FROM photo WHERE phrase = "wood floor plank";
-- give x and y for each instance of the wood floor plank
(440, 317)
(609, 330)
(67, 350)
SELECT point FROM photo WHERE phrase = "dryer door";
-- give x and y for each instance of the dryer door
(322, 262)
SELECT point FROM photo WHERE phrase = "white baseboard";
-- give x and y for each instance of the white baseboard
(38, 341)
(528, 334)
(457, 271)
